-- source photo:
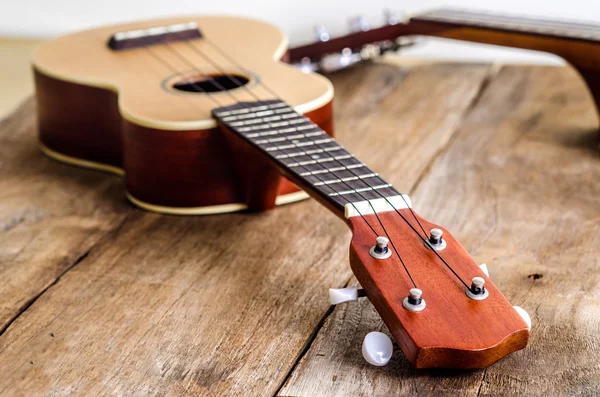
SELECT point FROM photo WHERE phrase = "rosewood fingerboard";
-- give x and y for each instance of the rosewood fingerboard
(304, 151)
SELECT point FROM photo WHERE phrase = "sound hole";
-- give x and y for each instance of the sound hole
(210, 83)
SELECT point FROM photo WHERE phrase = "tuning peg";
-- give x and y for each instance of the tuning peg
(348, 294)
(322, 33)
(390, 18)
(436, 240)
(477, 290)
(484, 269)
(306, 65)
(337, 296)
(377, 348)
(359, 24)
(524, 315)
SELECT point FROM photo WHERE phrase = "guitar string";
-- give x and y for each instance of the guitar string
(210, 95)
(272, 92)
(427, 243)
(182, 75)
(238, 83)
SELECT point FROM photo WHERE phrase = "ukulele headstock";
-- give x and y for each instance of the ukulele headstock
(454, 324)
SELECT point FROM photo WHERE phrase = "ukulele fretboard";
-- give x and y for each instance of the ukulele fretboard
(547, 27)
(311, 156)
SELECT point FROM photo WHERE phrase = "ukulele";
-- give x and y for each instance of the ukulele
(199, 111)
(576, 42)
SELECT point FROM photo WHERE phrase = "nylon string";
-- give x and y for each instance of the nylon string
(258, 99)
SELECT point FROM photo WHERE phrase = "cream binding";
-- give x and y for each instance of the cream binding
(206, 210)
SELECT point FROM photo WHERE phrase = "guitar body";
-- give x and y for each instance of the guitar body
(118, 111)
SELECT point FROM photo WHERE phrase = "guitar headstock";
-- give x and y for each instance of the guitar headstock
(454, 324)
(362, 43)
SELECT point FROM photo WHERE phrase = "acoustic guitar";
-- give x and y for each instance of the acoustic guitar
(576, 42)
(200, 116)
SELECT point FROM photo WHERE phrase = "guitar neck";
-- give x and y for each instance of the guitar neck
(502, 29)
(512, 23)
(313, 160)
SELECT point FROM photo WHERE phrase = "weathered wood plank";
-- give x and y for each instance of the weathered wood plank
(225, 304)
(518, 186)
(50, 214)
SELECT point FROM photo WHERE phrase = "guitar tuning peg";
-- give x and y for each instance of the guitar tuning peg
(359, 24)
(377, 348)
(349, 294)
(524, 315)
(390, 18)
(484, 269)
(322, 33)
(306, 65)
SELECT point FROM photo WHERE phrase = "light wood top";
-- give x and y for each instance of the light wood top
(144, 76)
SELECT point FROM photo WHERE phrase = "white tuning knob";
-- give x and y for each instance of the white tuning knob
(484, 269)
(524, 315)
(377, 348)
(359, 24)
(322, 33)
(337, 296)
(390, 18)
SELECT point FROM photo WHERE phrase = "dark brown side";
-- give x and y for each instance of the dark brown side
(79, 121)
(167, 168)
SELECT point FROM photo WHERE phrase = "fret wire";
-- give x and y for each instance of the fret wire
(318, 161)
(293, 138)
(332, 170)
(272, 132)
(349, 179)
(364, 189)
(308, 152)
(359, 194)
(334, 158)
(248, 115)
(393, 245)
(293, 145)
(296, 144)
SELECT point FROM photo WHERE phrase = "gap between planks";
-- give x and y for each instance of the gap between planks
(68, 268)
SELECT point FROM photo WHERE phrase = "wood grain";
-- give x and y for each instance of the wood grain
(518, 188)
(221, 305)
(50, 215)
(453, 331)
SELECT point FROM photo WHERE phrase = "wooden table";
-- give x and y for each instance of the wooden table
(99, 298)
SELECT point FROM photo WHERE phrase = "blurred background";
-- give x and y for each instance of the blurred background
(24, 23)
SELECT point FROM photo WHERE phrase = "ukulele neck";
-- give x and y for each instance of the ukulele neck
(511, 23)
(313, 160)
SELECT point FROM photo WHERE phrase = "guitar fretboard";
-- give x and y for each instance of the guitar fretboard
(547, 27)
(305, 151)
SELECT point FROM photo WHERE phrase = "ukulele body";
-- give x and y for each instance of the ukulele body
(119, 111)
